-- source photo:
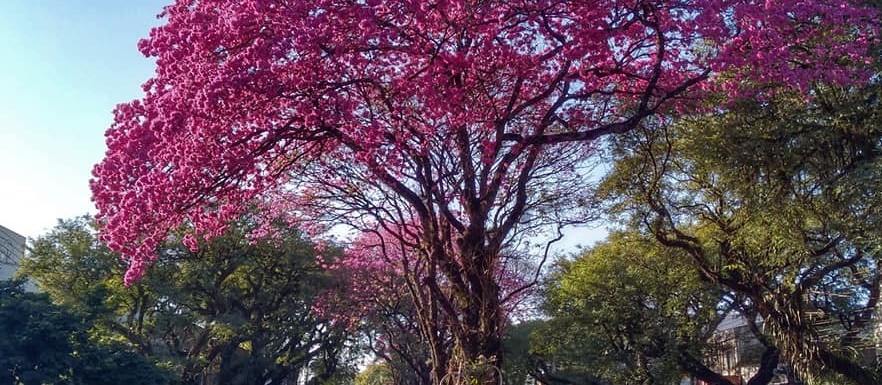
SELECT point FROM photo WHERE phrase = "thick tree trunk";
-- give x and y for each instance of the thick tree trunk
(784, 314)
(476, 362)
(766, 372)
(478, 346)
(473, 314)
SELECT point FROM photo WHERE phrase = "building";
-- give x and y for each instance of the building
(736, 352)
(12, 248)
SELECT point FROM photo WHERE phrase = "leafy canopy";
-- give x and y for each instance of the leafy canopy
(776, 202)
(628, 310)
(241, 306)
(45, 344)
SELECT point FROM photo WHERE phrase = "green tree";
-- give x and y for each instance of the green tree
(526, 348)
(631, 311)
(78, 271)
(115, 364)
(38, 338)
(236, 309)
(251, 302)
(519, 362)
(375, 374)
(45, 344)
(775, 201)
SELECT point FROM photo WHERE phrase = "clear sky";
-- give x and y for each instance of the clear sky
(64, 65)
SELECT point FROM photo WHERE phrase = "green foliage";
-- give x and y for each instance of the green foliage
(118, 364)
(626, 311)
(239, 308)
(375, 374)
(775, 201)
(519, 361)
(72, 268)
(46, 344)
(37, 339)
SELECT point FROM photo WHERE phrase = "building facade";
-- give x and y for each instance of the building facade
(12, 248)
(736, 352)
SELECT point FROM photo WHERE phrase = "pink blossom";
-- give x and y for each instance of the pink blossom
(447, 131)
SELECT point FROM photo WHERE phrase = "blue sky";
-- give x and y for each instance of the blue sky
(64, 65)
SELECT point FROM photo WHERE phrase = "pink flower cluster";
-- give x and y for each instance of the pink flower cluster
(373, 275)
(369, 279)
(251, 95)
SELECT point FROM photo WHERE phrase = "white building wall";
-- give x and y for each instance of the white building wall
(12, 247)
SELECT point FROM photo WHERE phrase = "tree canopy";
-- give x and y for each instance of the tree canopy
(240, 309)
(630, 310)
(774, 201)
(45, 344)
(626, 311)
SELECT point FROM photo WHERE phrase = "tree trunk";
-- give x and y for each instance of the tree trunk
(475, 363)
(477, 356)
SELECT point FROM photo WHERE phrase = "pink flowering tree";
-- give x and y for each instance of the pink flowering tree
(379, 293)
(374, 297)
(460, 130)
